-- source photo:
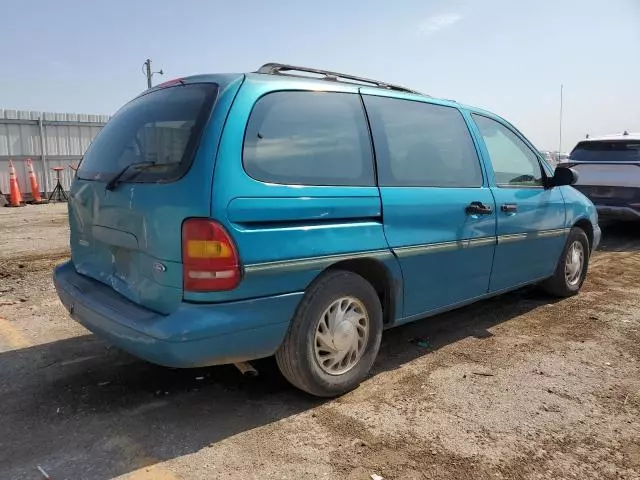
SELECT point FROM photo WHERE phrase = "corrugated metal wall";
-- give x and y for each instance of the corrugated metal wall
(66, 136)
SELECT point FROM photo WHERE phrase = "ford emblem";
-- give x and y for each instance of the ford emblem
(159, 267)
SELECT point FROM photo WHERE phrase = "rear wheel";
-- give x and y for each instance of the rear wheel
(334, 336)
(572, 267)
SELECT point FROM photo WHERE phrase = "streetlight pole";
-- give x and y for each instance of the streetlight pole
(560, 132)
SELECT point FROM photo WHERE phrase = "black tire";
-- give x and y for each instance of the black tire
(558, 285)
(296, 356)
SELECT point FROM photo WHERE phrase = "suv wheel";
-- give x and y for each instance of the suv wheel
(334, 336)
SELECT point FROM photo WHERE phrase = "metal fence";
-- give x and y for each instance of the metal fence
(49, 140)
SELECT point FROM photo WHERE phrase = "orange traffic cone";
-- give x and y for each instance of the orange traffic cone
(15, 198)
(35, 188)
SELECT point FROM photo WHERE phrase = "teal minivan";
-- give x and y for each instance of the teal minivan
(297, 212)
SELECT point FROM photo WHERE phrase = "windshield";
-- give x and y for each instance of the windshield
(162, 127)
(607, 151)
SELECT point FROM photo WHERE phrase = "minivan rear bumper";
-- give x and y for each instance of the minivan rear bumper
(194, 335)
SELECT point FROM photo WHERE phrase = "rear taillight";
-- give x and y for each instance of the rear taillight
(209, 257)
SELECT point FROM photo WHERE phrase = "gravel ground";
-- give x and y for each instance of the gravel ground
(517, 387)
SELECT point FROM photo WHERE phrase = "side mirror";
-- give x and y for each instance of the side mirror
(563, 176)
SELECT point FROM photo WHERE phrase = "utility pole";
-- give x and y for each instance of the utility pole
(146, 69)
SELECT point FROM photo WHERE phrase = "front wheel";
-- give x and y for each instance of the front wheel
(334, 336)
(572, 267)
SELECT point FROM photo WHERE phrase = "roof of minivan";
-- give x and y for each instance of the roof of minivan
(225, 78)
(299, 79)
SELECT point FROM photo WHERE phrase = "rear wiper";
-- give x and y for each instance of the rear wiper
(111, 185)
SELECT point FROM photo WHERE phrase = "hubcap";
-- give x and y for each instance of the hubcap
(574, 263)
(341, 336)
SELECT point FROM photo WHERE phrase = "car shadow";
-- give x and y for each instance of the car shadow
(620, 237)
(83, 409)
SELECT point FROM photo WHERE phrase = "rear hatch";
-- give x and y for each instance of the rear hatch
(608, 170)
(149, 168)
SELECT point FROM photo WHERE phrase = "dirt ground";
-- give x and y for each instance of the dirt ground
(517, 387)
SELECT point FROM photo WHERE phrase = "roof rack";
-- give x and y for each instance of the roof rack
(283, 69)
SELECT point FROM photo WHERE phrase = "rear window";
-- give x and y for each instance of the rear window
(162, 127)
(607, 151)
(309, 138)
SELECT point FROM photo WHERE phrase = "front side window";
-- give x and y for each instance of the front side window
(514, 163)
(309, 138)
(420, 144)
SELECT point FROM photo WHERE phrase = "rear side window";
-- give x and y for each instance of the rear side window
(422, 144)
(607, 151)
(309, 138)
(161, 128)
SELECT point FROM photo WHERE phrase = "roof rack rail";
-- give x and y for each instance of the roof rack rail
(283, 69)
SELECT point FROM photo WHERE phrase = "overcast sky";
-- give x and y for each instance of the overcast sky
(504, 55)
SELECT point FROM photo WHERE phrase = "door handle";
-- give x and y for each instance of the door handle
(509, 207)
(478, 208)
